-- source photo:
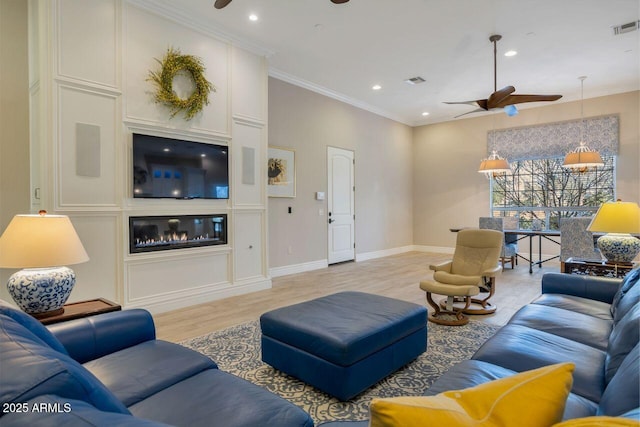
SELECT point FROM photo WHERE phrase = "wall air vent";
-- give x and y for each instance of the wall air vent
(414, 80)
(626, 28)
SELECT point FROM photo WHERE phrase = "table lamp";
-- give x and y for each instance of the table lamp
(42, 245)
(618, 219)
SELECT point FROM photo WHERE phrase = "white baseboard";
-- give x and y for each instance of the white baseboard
(285, 270)
(383, 253)
(163, 303)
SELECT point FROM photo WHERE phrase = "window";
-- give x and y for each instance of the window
(540, 192)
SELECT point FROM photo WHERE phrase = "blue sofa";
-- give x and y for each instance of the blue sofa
(591, 321)
(110, 370)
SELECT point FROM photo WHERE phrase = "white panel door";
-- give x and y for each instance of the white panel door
(341, 201)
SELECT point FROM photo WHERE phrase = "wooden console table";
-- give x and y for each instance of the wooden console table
(80, 309)
(596, 268)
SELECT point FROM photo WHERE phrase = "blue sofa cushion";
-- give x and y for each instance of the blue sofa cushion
(623, 392)
(29, 322)
(601, 310)
(629, 299)
(31, 368)
(70, 413)
(594, 288)
(367, 323)
(468, 373)
(583, 328)
(230, 402)
(624, 337)
(629, 281)
(521, 348)
(137, 372)
(95, 336)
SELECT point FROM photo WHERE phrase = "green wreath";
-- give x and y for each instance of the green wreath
(172, 63)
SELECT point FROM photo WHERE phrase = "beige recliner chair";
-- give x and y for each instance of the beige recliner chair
(475, 265)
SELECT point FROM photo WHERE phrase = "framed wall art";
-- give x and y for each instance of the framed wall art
(281, 172)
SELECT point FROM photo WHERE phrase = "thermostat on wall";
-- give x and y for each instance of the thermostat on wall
(319, 195)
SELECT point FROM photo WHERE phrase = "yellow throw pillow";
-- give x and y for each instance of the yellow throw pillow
(531, 398)
(599, 422)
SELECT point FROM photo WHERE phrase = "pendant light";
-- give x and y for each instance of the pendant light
(494, 165)
(582, 158)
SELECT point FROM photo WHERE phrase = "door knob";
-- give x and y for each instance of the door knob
(330, 220)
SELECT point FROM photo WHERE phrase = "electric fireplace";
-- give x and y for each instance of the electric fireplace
(160, 233)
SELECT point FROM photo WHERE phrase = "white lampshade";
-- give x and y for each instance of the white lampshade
(36, 241)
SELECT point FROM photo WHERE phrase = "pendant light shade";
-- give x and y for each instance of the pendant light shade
(582, 158)
(494, 165)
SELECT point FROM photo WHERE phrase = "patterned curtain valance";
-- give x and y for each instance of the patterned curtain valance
(555, 139)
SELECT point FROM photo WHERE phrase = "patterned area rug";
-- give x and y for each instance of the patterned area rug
(237, 350)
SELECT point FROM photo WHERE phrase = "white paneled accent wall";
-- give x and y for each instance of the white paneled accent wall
(90, 93)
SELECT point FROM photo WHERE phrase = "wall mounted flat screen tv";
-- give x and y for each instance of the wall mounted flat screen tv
(177, 169)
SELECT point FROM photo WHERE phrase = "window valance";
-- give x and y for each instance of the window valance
(555, 139)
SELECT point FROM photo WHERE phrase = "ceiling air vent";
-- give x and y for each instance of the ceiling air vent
(415, 80)
(626, 28)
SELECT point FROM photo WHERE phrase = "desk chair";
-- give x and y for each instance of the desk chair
(509, 253)
(576, 241)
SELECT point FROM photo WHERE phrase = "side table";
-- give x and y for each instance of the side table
(80, 309)
(596, 268)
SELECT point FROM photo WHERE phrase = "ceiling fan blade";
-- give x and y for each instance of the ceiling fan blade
(520, 99)
(499, 96)
(219, 4)
(480, 103)
(462, 102)
(477, 110)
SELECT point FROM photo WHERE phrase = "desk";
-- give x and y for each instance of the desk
(541, 234)
(531, 234)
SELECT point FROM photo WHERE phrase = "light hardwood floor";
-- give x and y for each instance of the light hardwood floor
(394, 276)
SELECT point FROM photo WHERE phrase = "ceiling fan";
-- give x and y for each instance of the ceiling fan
(504, 97)
(219, 4)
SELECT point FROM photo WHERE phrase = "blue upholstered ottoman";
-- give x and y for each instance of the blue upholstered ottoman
(344, 343)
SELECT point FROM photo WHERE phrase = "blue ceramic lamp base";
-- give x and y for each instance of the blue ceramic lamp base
(42, 292)
(619, 248)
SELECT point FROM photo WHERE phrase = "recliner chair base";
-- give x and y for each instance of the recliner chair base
(440, 311)
(476, 306)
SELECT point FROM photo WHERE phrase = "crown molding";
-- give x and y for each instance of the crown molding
(281, 75)
(170, 11)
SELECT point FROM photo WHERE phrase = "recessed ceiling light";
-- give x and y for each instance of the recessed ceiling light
(425, 113)
(510, 53)
(253, 17)
(376, 87)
